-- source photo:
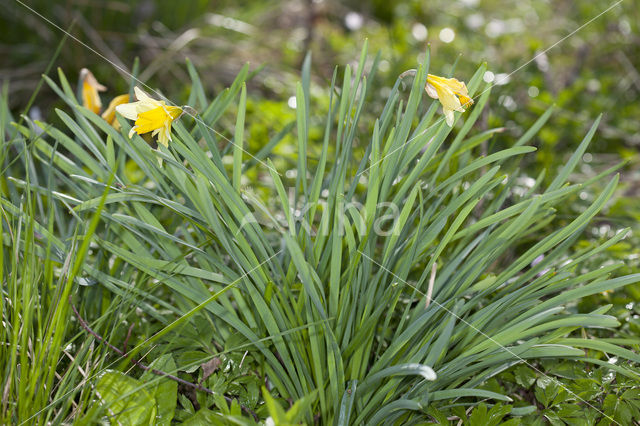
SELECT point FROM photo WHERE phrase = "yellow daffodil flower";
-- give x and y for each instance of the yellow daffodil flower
(150, 115)
(109, 114)
(451, 93)
(90, 89)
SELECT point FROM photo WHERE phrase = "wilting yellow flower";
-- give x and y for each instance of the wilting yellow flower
(109, 115)
(452, 94)
(151, 116)
(90, 89)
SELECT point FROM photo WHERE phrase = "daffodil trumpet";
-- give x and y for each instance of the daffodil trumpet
(151, 115)
(452, 94)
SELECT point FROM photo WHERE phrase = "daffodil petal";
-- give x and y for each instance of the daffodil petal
(109, 114)
(452, 83)
(449, 117)
(128, 111)
(431, 91)
(143, 97)
(448, 99)
(164, 136)
(88, 77)
(91, 98)
(167, 130)
(90, 89)
(456, 85)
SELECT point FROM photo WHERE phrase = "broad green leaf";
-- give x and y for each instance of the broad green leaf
(125, 399)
